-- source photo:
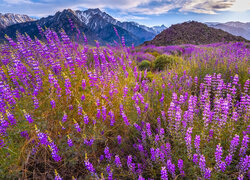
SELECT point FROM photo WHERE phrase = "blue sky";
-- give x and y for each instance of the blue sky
(148, 12)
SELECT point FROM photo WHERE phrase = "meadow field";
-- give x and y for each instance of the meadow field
(73, 111)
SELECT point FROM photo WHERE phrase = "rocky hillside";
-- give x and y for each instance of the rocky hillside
(192, 33)
(94, 23)
(10, 19)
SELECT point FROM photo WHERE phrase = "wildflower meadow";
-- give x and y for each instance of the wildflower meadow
(69, 110)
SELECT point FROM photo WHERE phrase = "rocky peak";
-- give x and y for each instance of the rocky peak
(10, 19)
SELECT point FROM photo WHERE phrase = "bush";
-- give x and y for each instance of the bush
(155, 53)
(145, 64)
(163, 61)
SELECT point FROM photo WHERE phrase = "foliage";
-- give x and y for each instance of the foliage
(155, 53)
(145, 65)
(73, 111)
(163, 61)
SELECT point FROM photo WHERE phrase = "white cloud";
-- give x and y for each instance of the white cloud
(241, 5)
(15, 2)
(130, 18)
(149, 7)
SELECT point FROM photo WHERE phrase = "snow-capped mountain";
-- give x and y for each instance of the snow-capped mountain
(10, 19)
(95, 19)
(159, 29)
(88, 15)
(96, 25)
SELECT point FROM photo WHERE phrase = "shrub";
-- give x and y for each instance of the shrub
(155, 53)
(163, 61)
(145, 64)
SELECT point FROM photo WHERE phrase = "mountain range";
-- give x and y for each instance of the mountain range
(10, 19)
(234, 27)
(192, 32)
(98, 25)
(95, 24)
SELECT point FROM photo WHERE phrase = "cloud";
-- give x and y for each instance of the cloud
(206, 7)
(15, 2)
(130, 18)
(131, 7)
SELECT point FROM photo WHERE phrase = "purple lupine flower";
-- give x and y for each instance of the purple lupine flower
(244, 145)
(234, 143)
(79, 109)
(104, 115)
(228, 159)
(110, 174)
(70, 142)
(162, 132)
(83, 97)
(171, 168)
(202, 163)
(67, 86)
(149, 133)
(141, 178)
(89, 166)
(244, 166)
(157, 138)
(137, 127)
(2, 144)
(98, 114)
(218, 154)
(35, 102)
(24, 134)
(140, 148)
(53, 103)
(57, 177)
(107, 153)
(143, 135)
(207, 173)
(11, 118)
(119, 139)
(28, 118)
(86, 119)
(164, 174)
(112, 118)
(168, 150)
(71, 107)
(197, 143)
(146, 107)
(64, 119)
(125, 118)
(138, 110)
(196, 158)
(54, 152)
(118, 161)
(222, 166)
(83, 84)
(188, 140)
(77, 127)
(153, 154)
(131, 165)
(43, 138)
(180, 166)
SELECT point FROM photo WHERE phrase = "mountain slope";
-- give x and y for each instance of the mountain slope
(192, 33)
(94, 23)
(235, 28)
(10, 19)
(57, 22)
(95, 19)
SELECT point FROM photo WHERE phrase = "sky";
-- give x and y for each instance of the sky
(147, 12)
